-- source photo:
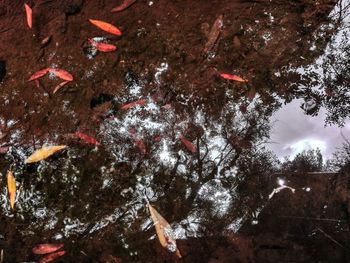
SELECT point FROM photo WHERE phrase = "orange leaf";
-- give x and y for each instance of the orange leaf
(29, 14)
(134, 104)
(59, 86)
(43, 153)
(102, 46)
(11, 186)
(51, 257)
(46, 248)
(232, 77)
(164, 232)
(106, 27)
(61, 73)
(39, 74)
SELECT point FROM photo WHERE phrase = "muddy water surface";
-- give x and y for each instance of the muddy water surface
(193, 143)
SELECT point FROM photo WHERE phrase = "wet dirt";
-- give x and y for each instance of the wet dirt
(94, 198)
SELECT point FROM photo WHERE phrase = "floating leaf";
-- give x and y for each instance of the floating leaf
(44, 152)
(86, 138)
(11, 186)
(106, 27)
(103, 47)
(232, 77)
(51, 257)
(29, 14)
(123, 6)
(164, 232)
(46, 248)
(134, 104)
(189, 145)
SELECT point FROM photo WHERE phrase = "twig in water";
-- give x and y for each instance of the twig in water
(331, 238)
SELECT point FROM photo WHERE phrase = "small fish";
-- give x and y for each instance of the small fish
(46, 248)
(140, 145)
(164, 232)
(102, 46)
(134, 104)
(189, 145)
(39, 74)
(44, 152)
(232, 77)
(29, 14)
(61, 73)
(86, 138)
(123, 6)
(11, 186)
(51, 257)
(59, 86)
(106, 27)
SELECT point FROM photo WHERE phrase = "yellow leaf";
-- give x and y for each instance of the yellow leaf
(44, 152)
(164, 232)
(11, 186)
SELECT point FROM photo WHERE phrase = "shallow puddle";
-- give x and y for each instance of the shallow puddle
(191, 111)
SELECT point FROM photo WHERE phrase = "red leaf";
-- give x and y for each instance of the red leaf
(232, 77)
(46, 248)
(123, 6)
(52, 257)
(189, 145)
(86, 138)
(134, 104)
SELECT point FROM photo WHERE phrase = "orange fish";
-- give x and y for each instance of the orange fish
(123, 6)
(86, 138)
(232, 77)
(39, 74)
(46, 248)
(11, 186)
(51, 257)
(134, 104)
(189, 145)
(29, 14)
(106, 27)
(102, 46)
(62, 74)
(141, 145)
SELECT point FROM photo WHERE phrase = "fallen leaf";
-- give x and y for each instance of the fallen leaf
(123, 6)
(189, 145)
(232, 77)
(29, 14)
(4, 149)
(102, 46)
(134, 104)
(106, 27)
(59, 86)
(11, 186)
(39, 74)
(214, 33)
(61, 73)
(140, 145)
(45, 41)
(52, 257)
(86, 138)
(46, 248)
(43, 153)
(164, 232)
